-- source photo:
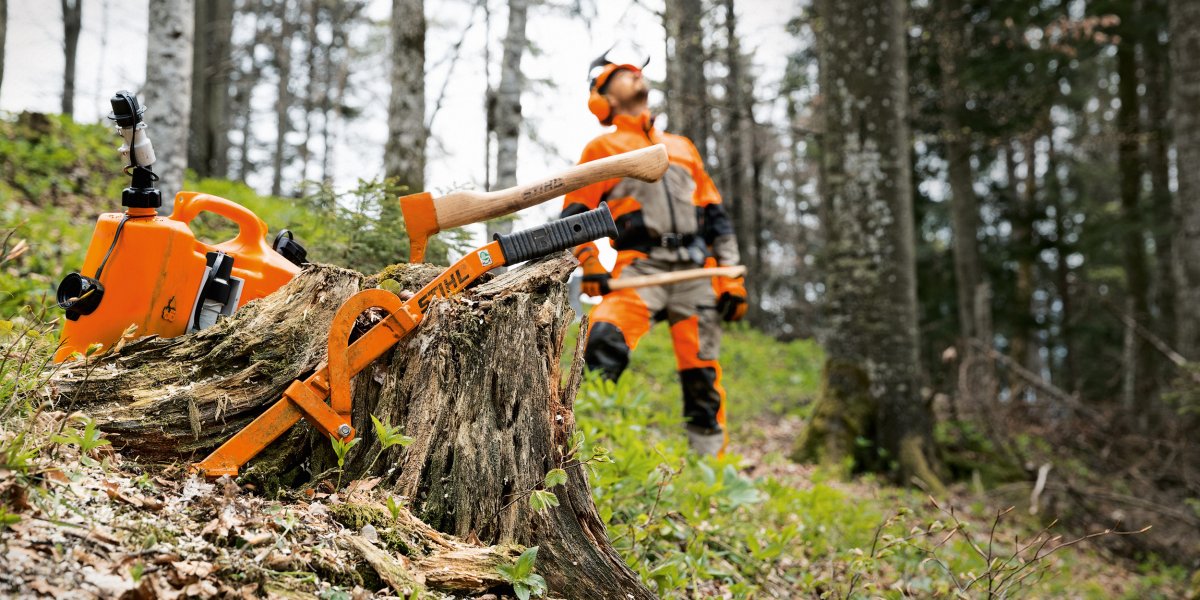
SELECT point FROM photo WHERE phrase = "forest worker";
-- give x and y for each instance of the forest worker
(674, 224)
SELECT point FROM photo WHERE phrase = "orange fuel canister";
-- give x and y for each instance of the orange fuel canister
(150, 272)
(153, 273)
(262, 268)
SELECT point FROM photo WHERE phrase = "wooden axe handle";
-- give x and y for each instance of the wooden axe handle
(465, 207)
(625, 283)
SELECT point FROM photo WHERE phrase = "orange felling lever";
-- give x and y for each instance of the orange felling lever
(306, 399)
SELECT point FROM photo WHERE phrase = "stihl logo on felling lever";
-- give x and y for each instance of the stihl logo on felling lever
(447, 286)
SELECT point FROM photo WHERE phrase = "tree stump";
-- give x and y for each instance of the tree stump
(478, 385)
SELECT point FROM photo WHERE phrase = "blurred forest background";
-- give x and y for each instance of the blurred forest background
(972, 229)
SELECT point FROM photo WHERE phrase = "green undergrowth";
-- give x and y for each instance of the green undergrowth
(766, 528)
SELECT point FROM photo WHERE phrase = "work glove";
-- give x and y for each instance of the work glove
(595, 276)
(731, 297)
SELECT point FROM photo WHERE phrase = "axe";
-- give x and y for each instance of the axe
(625, 283)
(425, 215)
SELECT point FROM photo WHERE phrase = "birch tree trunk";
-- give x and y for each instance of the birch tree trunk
(283, 95)
(168, 91)
(212, 54)
(687, 95)
(869, 388)
(404, 153)
(72, 11)
(507, 110)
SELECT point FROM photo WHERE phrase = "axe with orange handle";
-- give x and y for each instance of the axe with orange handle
(625, 283)
(425, 215)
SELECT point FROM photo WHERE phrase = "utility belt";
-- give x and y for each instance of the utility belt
(687, 247)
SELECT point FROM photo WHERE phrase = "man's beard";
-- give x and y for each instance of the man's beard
(641, 96)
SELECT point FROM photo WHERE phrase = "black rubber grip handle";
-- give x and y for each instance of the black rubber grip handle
(557, 235)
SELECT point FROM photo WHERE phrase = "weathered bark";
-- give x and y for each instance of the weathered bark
(1185, 106)
(686, 90)
(478, 386)
(283, 95)
(404, 153)
(72, 12)
(506, 114)
(212, 59)
(869, 259)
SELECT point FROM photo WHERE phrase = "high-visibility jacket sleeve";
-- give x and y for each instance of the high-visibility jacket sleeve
(706, 192)
(718, 228)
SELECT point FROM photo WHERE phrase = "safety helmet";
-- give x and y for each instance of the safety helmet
(599, 73)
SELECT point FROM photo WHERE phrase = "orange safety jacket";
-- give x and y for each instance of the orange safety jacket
(678, 219)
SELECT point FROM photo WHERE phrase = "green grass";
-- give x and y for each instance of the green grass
(701, 528)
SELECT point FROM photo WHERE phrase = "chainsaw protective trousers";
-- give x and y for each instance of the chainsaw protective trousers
(624, 316)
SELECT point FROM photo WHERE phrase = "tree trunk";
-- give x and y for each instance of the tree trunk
(283, 95)
(312, 93)
(212, 53)
(478, 386)
(687, 94)
(3, 34)
(870, 374)
(168, 91)
(1158, 164)
(404, 153)
(1140, 354)
(1062, 249)
(506, 113)
(964, 205)
(1023, 248)
(1185, 106)
(72, 11)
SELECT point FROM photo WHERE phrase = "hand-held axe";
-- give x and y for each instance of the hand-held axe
(425, 215)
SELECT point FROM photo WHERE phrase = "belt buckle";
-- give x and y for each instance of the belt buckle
(671, 241)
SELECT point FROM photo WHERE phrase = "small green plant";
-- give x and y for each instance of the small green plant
(86, 440)
(7, 519)
(341, 449)
(388, 436)
(16, 456)
(394, 507)
(136, 570)
(520, 574)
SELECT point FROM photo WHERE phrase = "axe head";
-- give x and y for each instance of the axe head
(420, 218)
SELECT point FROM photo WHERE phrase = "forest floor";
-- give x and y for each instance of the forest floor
(81, 520)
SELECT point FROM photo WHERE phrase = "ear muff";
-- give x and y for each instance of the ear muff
(600, 107)
(597, 103)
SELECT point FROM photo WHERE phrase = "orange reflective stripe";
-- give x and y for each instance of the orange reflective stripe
(686, 335)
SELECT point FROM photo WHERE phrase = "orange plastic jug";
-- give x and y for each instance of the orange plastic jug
(263, 269)
(153, 273)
